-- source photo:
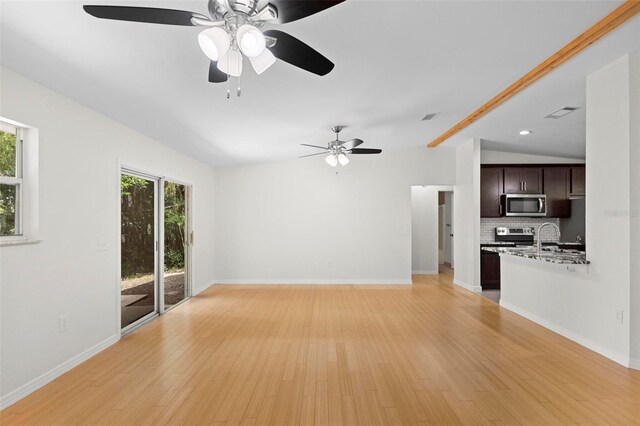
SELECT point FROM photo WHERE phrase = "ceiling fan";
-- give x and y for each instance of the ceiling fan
(337, 150)
(233, 31)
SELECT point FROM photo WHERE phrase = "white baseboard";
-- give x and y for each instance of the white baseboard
(425, 272)
(54, 373)
(634, 363)
(475, 289)
(581, 340)
(401, 281)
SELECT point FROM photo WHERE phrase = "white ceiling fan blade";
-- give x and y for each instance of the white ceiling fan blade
(231, 63)
(348, 145)
(263, 61)
(315, 146)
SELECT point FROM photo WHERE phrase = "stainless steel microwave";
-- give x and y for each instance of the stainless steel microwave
(528, 205)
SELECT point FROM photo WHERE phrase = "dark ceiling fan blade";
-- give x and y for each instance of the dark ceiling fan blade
(311, 155)
(292, 10)
(215, 75)
(349, 145)
(314, 146)
(365, 151)
(295, 52)
(144, 14)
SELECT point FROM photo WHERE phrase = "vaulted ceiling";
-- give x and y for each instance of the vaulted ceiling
(395, 61)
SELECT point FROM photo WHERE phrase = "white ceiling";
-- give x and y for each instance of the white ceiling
(395, 62)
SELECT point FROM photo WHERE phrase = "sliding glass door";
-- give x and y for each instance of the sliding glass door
(155, 246)
(138, 250)
(176, 243)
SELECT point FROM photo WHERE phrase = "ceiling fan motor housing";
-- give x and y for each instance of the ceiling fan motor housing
(219, 8)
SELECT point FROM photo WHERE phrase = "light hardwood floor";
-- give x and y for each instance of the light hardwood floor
(430, 353)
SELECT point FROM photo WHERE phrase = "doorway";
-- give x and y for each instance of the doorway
(431, 229)
(447, 231)
(156, 238)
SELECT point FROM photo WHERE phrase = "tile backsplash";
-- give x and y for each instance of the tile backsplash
(488, 225)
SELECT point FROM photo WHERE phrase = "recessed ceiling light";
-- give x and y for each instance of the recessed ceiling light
(525, 132)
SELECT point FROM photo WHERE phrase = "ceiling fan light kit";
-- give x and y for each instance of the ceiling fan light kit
(331, 160)
(234, 31)
(214, 43)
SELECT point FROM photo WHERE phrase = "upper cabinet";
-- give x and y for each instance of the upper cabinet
(557, 184)
(578, 187)
(490, 191)
(523, 180)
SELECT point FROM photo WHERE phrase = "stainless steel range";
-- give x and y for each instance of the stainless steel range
(522, 236)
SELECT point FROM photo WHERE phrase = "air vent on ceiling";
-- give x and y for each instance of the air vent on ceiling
(561, 112)
(430, 116)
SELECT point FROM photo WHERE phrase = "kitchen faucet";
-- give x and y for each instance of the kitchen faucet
(540, 235)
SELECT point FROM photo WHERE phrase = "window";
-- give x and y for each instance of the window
(11, 183)
(18, 183)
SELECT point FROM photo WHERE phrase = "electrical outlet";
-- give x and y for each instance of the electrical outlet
(620, 316)
(62, 322)
(102, 244)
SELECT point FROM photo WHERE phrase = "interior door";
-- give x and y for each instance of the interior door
(451, 231)
(448, 218)
(139, 249)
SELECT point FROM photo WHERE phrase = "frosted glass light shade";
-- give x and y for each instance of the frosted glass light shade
(331, 160)
(263, 61)
(214, 43)
(250, 41)
(231, 63)
(343, 159)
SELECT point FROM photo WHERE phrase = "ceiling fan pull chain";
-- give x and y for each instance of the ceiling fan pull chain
(239, 92)
(228, 91)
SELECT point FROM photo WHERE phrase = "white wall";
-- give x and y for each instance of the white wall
(500, 157)
(634, 160)
(65, 274)
(466, 216)
(594, 306)
(424, 229)
(303, 221)
(608, 204)
(561, 298)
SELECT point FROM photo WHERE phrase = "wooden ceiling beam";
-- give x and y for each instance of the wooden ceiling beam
(613, 20)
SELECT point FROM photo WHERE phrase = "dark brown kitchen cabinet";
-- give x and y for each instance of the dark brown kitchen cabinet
(578, 186)
(489, 270)
(523, 180)
(557, 185)
(490, 191)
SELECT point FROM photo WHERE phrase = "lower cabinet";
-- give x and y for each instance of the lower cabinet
(489, 270)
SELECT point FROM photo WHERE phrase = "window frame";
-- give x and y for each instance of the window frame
(27, 179)
(19, 182)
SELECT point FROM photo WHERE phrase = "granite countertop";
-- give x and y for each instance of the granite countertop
(547, 254)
